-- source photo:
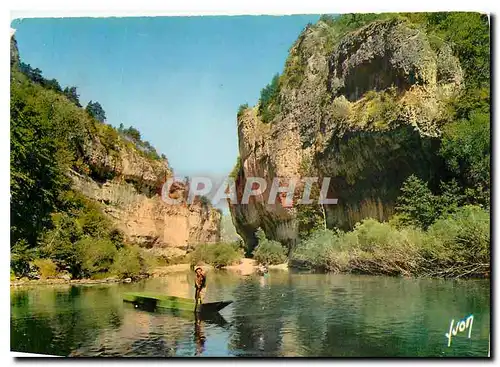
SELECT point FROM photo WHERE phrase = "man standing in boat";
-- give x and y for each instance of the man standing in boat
(200, 286)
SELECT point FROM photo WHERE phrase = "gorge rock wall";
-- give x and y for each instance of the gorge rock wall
(364, 108)
(132, 199)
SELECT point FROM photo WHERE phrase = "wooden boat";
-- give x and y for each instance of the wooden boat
(153, 301)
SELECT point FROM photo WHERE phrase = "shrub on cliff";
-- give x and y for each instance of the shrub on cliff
(269, 252)
(95, 110)
(236, 169)
(242, 109)
(268, 102)
(72, 94)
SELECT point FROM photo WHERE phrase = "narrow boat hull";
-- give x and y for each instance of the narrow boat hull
(153, 301)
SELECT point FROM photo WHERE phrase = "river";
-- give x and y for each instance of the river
(285, 314)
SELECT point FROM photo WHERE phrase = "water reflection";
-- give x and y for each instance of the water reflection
(284, 314)
(199, 335)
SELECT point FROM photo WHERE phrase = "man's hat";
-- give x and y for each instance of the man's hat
(197, 269)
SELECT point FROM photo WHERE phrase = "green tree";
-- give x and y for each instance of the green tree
(132, 133)
(54, 85)
(469, 35)
(450, 199)
(416, 203)
(418, 206)
(465, 146)
(20, 257)
(217, 254)
(38, 172)
(127, 263)
(72, 94)
(95, 110)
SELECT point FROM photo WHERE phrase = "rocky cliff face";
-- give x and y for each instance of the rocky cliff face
(363, 107)
(132, 198)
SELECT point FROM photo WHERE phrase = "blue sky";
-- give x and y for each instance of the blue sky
(179, 80)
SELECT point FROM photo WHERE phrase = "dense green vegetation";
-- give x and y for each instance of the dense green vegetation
(218, 254)
(417, 206)
(456, 245)
(54, 230)
(269, 252)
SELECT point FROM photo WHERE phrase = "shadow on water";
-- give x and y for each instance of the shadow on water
(214, 318)
(199, 335)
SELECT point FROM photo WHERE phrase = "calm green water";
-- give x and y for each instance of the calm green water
(285, 314)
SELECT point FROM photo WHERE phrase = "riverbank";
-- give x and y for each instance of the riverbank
(244, 267)
(56, 281)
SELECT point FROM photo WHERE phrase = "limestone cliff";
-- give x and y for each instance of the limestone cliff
(128, 185)
(364, 107)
